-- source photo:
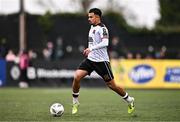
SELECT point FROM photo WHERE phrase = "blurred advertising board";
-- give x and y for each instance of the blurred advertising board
(2, 72)
(46, 73)
(147, 73)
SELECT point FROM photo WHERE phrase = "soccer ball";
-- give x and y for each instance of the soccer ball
(57, 109)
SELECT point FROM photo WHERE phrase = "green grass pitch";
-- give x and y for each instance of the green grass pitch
(97, 105)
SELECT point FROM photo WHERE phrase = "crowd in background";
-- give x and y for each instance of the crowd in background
(119, 50)
(55, 51)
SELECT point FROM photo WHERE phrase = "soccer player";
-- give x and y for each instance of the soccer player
(97, 60)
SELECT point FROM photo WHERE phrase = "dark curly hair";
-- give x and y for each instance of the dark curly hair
(96, 11)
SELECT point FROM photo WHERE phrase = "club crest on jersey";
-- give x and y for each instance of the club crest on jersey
(94, 31)
(105, 33)
(90, 39)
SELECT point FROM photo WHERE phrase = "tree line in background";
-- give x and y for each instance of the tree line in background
(170, 13)
(169, 22)
(170, 16)
(42, 29)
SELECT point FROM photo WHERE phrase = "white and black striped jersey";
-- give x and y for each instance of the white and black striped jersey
(98, 42)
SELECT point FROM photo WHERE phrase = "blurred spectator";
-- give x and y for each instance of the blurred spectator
(50, 48)
(23, 64)
(151, 52)
(46, 54)
(117, 48)
(162, 53)
(59, 48)
(32, 54)
(138, 56)
(129, 55)
(114, 53)
(10, 56)
(48, 51)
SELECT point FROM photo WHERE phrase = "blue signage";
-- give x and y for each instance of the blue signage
(172, 74)
(2, 72)
(142, 73)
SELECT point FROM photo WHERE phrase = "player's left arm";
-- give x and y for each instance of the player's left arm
(104, 41)
(103, 32)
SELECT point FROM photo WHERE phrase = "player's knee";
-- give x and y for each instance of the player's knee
(77, 76)
(111, 85)
(108, 84)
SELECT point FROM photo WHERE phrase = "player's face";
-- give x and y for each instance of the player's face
(92, 18)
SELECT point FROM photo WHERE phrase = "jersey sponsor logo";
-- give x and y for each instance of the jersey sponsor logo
(172, 74)
(142, 73)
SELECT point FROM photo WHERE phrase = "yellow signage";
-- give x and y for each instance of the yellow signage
(147, 73)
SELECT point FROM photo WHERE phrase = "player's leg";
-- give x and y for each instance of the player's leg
(79, 74)
(119, 90)
(104, 70)
(84, 69)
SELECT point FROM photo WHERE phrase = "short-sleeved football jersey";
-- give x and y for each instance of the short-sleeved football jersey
(96, 35)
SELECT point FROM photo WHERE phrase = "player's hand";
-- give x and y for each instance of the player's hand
(86, 52)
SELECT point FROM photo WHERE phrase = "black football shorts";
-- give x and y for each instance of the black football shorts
(102, 68)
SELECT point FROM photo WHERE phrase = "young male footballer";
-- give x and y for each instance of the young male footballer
(97, 60)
